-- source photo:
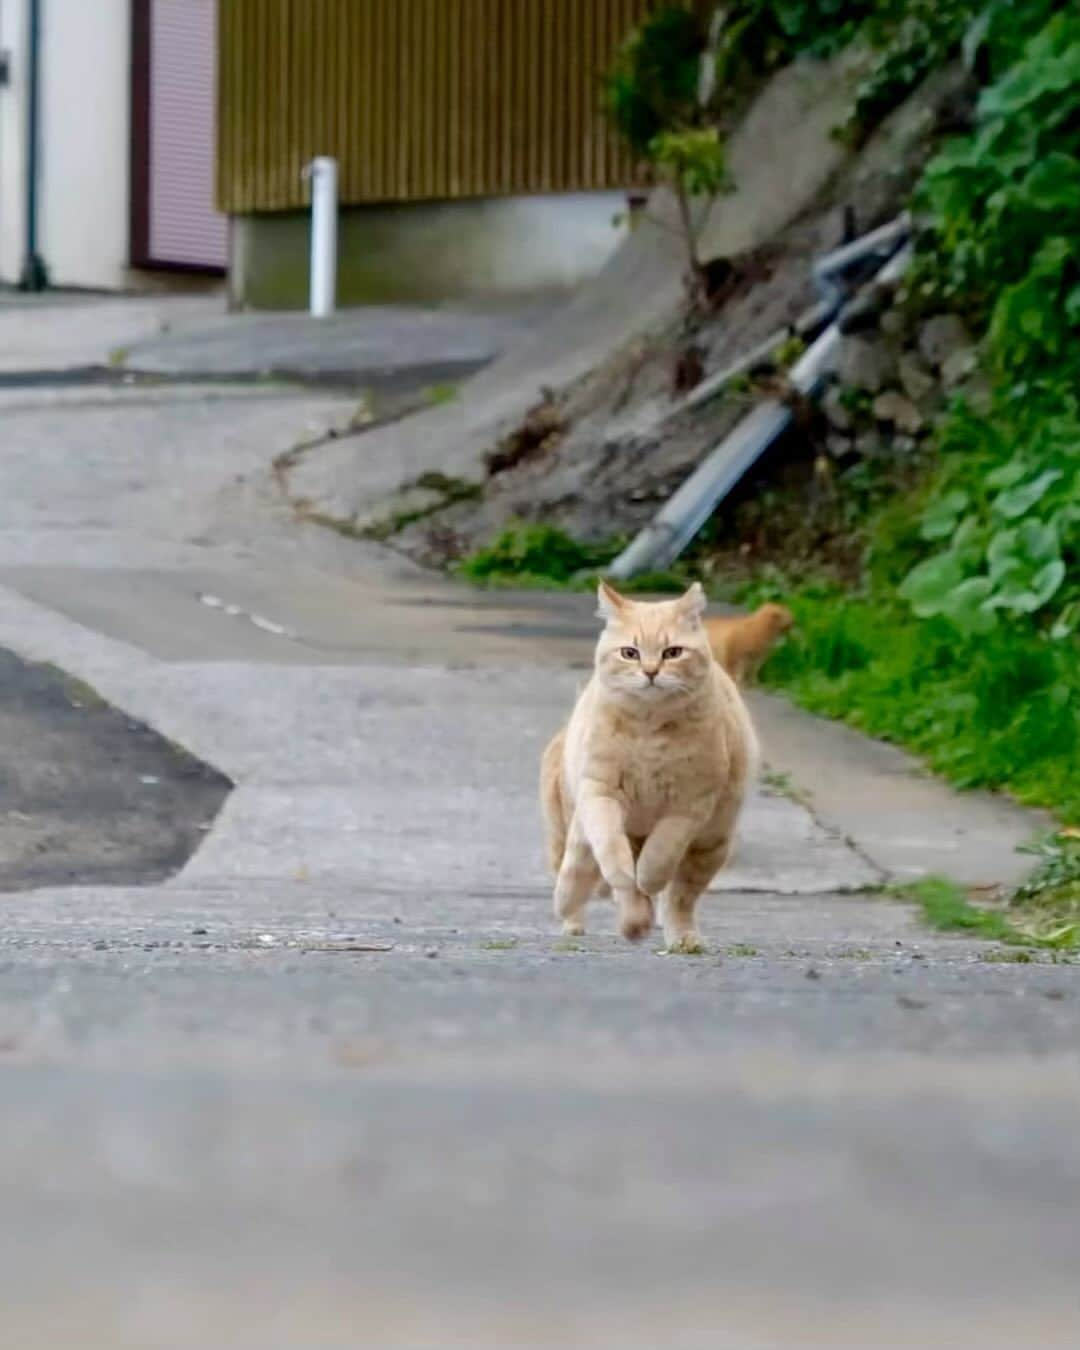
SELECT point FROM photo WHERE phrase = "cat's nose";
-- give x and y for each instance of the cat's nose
(651, 671)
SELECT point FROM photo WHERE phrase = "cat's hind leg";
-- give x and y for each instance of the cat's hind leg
(578, 876)
(551, 801)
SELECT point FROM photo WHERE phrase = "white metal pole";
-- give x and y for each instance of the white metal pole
(324, 213)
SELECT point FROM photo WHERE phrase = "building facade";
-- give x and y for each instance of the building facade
(473, 153)
(147, 136)
(107, 141)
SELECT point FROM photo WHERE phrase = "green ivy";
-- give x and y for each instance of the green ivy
(652, 86)
(963, 641)
(1003, 206)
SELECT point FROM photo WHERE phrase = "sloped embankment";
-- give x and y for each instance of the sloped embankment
(425, 482)
(600, 456)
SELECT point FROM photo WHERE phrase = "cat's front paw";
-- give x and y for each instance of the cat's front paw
(573, 928)
(635, 916)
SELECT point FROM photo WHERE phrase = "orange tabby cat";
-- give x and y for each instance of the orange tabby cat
(642, 788)
(742, 644)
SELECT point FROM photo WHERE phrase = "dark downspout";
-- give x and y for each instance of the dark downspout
(34, 276)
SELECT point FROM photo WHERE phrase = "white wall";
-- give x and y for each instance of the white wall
(85, 97)
(85, 135)
(12, 140)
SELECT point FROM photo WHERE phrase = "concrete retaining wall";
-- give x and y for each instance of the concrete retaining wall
(430, 251)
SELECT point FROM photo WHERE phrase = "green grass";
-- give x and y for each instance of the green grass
(779, 783)
(741, 949)
(946, 907)
(685, 947)
(1049, 902)
(449, 492)
(528, 555)
(541, 557)
(999, 711)
(500, 945)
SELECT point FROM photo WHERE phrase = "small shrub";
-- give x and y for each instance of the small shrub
(533, 553)
(653, 96)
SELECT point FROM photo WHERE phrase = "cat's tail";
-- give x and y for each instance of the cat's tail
(551, 801)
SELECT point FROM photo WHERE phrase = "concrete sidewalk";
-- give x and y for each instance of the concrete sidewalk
(192, 337)
(355, 345)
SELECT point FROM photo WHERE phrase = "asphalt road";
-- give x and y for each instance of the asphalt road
(87, 794)
(389, 1119)
(337, 1082)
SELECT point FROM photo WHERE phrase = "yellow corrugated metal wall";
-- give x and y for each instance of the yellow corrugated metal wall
(417, 99)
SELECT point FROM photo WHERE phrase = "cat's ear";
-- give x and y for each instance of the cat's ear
(609, 603)
(692, 603)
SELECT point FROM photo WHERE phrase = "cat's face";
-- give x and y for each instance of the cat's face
(652, 650)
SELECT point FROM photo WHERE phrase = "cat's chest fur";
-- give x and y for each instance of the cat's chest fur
(654, 767)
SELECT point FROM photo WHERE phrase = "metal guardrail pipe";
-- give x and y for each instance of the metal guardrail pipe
(885, 240)
(806, 325)
(678, 521)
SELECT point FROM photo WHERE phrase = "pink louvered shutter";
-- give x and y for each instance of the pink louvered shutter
(184, 227)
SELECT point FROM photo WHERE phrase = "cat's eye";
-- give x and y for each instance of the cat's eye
(673, 653)
(629, 653)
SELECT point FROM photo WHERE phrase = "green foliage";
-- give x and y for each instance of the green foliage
(546, 558)
(652, 87)
(1002, 202)
(1059, 854)
(437, 394)
(693, 158)
(908, 39)
(998, 710)
(743, 949)
(760, 34)
(946, 908)
(525, 554)
(789, 351)
(1049, 902)
(653, 98)
(653, 92)
(1002, 30)
(1004, 246)
(1035, 914)
(905, 39)
(820, 26)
